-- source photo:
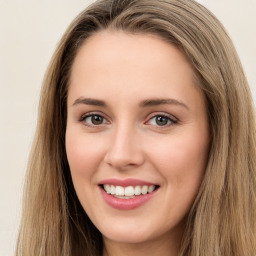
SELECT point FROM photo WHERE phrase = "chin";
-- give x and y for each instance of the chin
(130, 232)
(128, 238)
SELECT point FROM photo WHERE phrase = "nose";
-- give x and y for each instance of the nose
(124, 149)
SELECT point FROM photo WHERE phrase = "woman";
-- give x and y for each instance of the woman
(146, 138)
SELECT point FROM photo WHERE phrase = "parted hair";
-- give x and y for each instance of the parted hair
(222, 220)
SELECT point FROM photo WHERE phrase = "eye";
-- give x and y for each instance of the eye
(161, 120)
(93, 120)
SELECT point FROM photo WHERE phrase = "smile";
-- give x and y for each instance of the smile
(127, 194)
(129, 191)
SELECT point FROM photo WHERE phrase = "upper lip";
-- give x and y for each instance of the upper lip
(125, 182)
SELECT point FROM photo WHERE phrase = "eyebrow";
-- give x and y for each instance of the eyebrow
(144, 103)
(89, 101)
(156, 102)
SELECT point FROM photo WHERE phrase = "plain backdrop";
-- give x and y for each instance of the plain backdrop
(29, 32)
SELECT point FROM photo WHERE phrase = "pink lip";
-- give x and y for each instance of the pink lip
(125, 183)
(125, 204)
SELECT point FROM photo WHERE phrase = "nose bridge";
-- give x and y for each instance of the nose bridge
(124, 148)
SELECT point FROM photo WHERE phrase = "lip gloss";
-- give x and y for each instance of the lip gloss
(126, 182)
(126, 203)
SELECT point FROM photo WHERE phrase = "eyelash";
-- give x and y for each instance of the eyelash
(84, 117)
(170, 119)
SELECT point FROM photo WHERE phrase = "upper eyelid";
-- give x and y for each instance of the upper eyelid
(88, 124)
(150, 116)
(154, 114)
(92, 113)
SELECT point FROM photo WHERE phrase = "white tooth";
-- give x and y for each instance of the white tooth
(124, 197)
(107, 188)
(129, 191)
(144, 190)
(112, 190)
(119, 191)
(151, 188)
(137, 190)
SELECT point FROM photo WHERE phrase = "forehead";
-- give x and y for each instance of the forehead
(120, 62)
(120, 45)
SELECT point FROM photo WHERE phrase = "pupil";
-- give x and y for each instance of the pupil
(160, 120)
(97, 120)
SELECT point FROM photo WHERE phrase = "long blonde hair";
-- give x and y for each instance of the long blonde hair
(222, 220)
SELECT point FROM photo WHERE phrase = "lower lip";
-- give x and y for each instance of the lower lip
(126, 204)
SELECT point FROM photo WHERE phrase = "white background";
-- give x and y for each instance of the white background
(29, 32)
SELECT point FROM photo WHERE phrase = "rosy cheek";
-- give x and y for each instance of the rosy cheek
(76, 154)
(181, 158)
(83, 154)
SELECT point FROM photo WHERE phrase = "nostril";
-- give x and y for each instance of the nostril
(124, 150)
(121, 160)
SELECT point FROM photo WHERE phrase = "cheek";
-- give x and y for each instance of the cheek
(84, 156)
(182, 160)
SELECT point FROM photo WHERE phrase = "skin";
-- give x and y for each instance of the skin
(124, 70)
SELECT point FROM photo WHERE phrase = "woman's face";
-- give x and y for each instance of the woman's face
(137, 125)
